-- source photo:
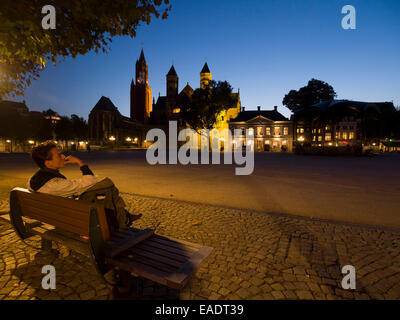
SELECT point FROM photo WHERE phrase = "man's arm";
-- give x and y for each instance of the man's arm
(65, 187)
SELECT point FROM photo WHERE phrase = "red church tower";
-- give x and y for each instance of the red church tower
(141, 92)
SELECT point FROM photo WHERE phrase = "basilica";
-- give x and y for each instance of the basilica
(108, 127)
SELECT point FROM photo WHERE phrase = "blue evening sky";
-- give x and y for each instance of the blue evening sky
(263, 47)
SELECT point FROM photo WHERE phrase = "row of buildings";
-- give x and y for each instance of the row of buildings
(335, 123)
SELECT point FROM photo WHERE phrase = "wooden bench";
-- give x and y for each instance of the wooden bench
(82, 226)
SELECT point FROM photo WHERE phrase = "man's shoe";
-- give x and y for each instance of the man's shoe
(131, 218)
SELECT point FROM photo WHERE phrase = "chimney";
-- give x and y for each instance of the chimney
(258, 108)
(242, 109)
(275, 108)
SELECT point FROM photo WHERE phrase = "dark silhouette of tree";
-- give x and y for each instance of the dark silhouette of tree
(204, 106)
(38, 127)
(80, 127)
(64, 129)
(316, 91)
(81, 26)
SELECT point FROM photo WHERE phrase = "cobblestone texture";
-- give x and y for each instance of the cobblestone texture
(256, 256)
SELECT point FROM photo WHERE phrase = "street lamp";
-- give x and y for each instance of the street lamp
(112, 138)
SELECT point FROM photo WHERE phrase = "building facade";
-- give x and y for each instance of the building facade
(169, 107)
(340, 123)
(271, 130)
(107, 127)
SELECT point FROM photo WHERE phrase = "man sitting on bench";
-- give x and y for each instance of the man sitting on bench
(48, 179)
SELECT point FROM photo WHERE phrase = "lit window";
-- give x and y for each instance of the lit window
(176, 110)
(268, 131)
(319, 138)
(351, 135)
(298, 130)
(314, 138)
(251, 132)
(344, 135)
(284, 142)
(328, 136)
(327, 128)
(337, 135)
(277, 131)
(319, 130)
(285, 131)
(259, 131)
(301, 130)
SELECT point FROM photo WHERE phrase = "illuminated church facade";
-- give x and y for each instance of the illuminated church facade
(107, 126)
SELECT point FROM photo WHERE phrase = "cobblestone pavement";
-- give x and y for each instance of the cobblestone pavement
(256, 256)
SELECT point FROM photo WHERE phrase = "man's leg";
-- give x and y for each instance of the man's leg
(105, 192)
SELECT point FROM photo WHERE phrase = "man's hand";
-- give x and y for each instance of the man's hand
(72, 159)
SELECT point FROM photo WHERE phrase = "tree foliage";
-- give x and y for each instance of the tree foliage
(316, 91)
(203, 107)
(81, 26)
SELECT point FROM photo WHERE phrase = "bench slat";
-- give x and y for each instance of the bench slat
(186, 252)
(175, 242)
(170, 255)
(182, 276)
(57, 221)
(150, 262)
(128, 242)
(157, 256)
(70, 212)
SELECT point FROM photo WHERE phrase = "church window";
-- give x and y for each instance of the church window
(285, 131)
(268, 131)
(277, 131)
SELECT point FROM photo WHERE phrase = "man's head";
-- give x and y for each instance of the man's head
(47, 155)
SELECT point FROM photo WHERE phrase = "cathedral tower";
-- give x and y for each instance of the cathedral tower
(141, 92)
(172, 84)
(205, 76)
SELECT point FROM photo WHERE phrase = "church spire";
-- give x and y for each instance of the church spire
(205, 76)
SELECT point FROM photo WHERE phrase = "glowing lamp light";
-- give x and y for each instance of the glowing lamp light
(145, 141)
(330, 143)
(128, 139)
(72, 143)
(112, 138)
(31, 141)
(8, 141)
(374, 144)
(136, 139)
(221, 139)
(81, 142)
(300, 138)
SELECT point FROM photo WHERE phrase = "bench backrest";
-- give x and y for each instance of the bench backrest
(64, 213)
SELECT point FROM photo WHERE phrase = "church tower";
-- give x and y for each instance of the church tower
(205, 76)
(141, 92)
(172, 87)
